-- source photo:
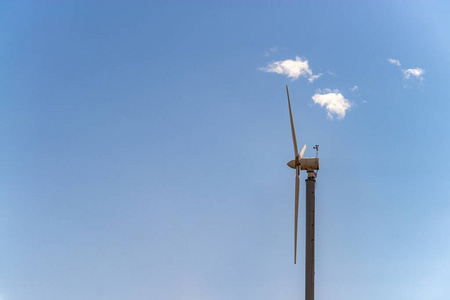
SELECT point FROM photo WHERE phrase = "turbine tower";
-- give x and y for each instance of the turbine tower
(311, 165)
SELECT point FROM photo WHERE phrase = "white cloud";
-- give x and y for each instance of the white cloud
(417, 72)
(364, 101)
(333, 101)
(354, 88)
(408, 73)
(394, 61)
(291, 68)
(314, 77)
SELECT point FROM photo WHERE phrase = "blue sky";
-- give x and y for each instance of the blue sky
(144, 149)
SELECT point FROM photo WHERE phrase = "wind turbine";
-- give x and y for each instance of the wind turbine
(310, 164)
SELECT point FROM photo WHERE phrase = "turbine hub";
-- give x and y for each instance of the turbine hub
(292, 164)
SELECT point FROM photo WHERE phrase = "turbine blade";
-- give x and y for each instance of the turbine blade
(303, 151)
(292, 123)
(297, 190)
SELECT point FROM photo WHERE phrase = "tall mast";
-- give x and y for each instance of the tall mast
(309, 243)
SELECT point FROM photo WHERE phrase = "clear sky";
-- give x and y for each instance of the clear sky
(144, 148)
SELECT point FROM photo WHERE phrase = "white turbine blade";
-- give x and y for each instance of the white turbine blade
(303, 151)
(292, 123)
(297, 191)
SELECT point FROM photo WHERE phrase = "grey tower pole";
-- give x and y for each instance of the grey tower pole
(309, 249)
